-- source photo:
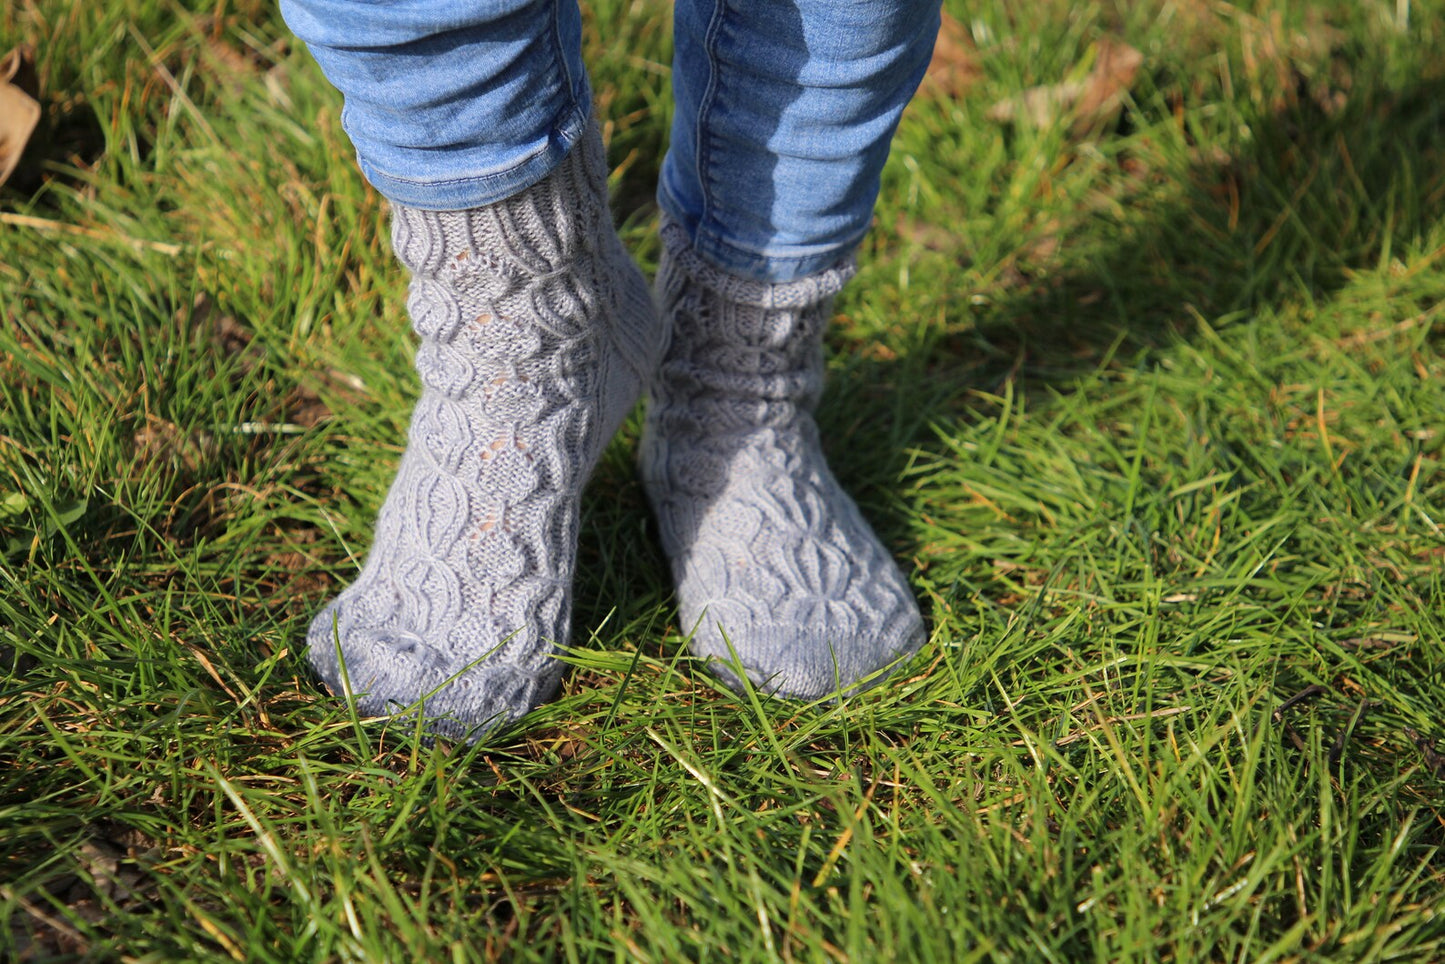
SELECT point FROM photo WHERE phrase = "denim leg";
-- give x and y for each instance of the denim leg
(785, 110)
(452, 105)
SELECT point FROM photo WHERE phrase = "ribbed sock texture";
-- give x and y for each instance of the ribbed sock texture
(769, 554)
(537, 335)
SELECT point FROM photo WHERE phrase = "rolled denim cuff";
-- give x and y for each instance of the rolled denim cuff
(486, 186)
(773, 264)
(452, 106)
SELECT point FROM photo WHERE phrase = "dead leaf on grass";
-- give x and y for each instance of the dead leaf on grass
(934, 237)
(955, 65)
(1278, 60)
(19, 110)
(1434, 759)
(1091, 103)
(168, 443)
(107, 872)
(305, 408)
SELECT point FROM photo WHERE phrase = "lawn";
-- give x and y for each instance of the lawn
(1142, 379)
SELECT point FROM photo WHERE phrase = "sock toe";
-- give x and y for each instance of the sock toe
(804, 660)
(393, 671)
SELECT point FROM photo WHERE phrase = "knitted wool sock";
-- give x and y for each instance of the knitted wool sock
(537, 335)
(768, 552)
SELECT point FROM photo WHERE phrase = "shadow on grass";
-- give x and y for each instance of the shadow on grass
(1309, 199)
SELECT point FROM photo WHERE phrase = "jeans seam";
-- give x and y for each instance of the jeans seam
(704, 111)
(560, 56)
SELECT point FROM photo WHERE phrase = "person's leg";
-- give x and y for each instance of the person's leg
(785, 111)
(452, 105)
(537, 335)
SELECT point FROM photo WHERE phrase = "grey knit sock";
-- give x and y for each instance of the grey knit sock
(537, 335)
(768, 552)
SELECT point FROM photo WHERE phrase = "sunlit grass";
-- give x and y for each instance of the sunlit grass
(1151, 413)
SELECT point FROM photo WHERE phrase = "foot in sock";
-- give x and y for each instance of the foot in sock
(773, 561)
(537, 336)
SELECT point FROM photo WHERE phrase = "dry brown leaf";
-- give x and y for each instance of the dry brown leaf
(1115, 68)
(166, 442)
(1037, 106)
(1092, 102)
(19, 110)
(1279, 61)
(927, 234)
(955, 66)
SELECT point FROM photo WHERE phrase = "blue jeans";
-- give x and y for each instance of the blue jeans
(785, 109)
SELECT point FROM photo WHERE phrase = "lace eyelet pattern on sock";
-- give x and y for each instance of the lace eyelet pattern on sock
(775, 567)
(537, 335)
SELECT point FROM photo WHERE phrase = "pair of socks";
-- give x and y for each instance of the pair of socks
(538, 335)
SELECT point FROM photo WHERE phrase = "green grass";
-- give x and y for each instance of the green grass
(1153, 418)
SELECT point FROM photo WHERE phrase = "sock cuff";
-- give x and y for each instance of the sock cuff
(786, 295)
(538, 230)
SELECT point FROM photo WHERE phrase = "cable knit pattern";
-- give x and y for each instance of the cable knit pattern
(537, 335)
(768, 552)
